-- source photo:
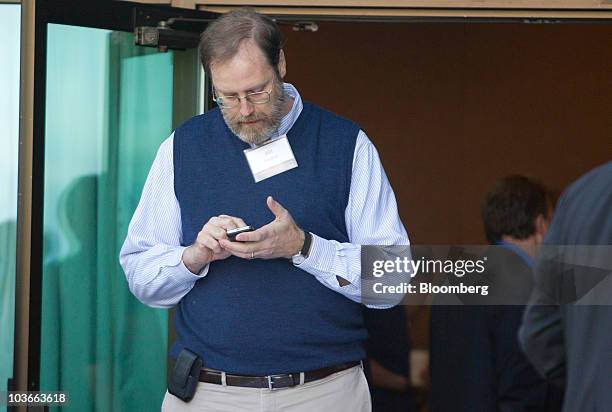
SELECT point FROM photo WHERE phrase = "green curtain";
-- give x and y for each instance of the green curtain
(109, 106)
(9, 138)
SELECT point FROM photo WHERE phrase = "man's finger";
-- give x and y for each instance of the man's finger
(212, 244)
(240, 247)
(217, 232)
(239, 222)
(243, 255)
(226, 222)
(236, 220)
(254, 236)
(275, 207)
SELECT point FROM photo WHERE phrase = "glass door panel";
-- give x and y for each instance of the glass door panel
(9, 140)
(108, 107)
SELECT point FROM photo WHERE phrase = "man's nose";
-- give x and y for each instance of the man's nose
(246, 107)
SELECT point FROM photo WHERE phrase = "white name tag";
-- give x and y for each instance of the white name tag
(271, 159)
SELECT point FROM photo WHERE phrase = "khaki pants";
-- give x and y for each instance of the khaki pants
(346, 390)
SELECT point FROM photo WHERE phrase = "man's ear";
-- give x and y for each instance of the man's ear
(282, 64)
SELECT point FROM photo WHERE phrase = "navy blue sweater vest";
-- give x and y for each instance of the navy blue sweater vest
(262, 317)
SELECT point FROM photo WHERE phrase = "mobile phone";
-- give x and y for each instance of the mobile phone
(232, 233)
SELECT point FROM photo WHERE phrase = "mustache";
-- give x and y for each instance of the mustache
(250, 118)
(238, 118)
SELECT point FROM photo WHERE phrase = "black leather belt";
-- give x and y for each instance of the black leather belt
(271, 381)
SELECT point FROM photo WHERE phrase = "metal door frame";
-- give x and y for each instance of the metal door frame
(35, 16)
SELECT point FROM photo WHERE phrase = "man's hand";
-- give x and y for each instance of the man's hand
(279, 238)
(387, 379)
(206, 247)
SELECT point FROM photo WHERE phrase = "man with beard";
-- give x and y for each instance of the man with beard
(278, 307)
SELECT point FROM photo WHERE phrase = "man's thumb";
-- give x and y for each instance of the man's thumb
(275, 207)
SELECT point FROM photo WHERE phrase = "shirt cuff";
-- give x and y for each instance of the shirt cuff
(328, 259)
(321, 255)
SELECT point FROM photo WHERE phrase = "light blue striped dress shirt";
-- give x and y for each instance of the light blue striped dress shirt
(151, 255)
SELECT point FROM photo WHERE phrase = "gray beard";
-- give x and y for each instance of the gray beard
(255, 137)
(272, 124)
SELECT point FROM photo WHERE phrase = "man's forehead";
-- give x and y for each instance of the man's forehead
(246, 70)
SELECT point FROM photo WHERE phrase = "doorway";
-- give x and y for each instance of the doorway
(101, 106)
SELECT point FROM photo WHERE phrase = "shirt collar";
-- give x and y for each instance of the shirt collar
(524, 255)
(289, 119)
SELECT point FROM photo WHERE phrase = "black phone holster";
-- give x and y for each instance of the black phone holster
(185, 375)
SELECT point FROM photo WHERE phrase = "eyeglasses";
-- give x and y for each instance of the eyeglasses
(227, 102)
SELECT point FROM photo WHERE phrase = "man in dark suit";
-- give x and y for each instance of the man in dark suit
(567, 332)
(476, 362)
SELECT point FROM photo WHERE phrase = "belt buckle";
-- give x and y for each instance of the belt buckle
(278, 379)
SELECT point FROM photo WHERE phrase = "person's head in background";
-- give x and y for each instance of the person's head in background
(517, 210)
